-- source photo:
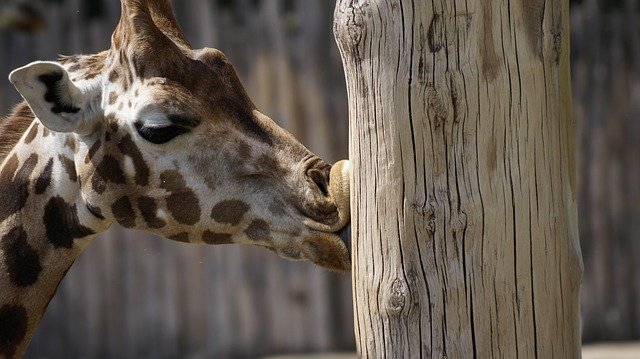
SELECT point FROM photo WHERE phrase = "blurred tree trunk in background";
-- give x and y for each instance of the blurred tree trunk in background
(606, 92)
(464, 200)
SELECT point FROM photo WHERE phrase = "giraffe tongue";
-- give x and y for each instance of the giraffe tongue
(339, 184)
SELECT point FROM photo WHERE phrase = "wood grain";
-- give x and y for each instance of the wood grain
(464, 199)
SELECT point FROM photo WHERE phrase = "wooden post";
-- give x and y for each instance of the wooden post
(464, 203)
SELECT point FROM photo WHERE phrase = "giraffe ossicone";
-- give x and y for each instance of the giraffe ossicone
(158, 137)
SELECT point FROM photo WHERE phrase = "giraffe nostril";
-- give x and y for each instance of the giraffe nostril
(320, 178)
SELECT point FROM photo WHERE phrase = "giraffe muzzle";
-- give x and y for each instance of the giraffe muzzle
(338, 195)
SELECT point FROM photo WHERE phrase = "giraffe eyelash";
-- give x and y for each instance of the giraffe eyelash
(159, 135)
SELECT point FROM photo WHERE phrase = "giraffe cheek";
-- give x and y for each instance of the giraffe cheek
(182, 202)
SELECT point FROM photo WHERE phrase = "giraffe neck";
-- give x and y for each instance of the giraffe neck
(44, 226)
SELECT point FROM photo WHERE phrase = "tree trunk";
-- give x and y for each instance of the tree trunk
(464, 201)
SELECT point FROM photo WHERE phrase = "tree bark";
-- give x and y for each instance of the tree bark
(464, 202)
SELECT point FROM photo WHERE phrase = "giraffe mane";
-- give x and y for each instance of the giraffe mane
(13, 126)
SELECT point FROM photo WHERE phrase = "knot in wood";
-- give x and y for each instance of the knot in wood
(349, 25)
(435, 35)
(459, 222)
(397, 296)
(431, 220)
(438, 107)
(557, 44)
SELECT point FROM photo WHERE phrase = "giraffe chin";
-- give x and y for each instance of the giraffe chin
(328, 251)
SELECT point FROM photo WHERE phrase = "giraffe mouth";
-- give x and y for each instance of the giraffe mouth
(339, 194)
(329, 250)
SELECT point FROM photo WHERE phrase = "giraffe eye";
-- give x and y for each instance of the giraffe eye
(159, 135)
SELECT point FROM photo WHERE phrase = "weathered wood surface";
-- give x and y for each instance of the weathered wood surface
(464, 200)
(131, 295)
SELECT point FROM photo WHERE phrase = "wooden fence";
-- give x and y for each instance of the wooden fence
(133, 295)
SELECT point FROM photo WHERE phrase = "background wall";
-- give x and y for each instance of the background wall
(134, 295)
(606, 103)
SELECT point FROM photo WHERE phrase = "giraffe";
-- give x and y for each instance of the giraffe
(158, 137)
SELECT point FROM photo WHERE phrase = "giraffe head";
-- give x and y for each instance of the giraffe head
(166, 140)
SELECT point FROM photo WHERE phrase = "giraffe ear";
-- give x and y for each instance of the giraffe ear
(52, 96)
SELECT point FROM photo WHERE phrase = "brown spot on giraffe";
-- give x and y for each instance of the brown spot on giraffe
(62, 224)
(92, 151)
(21, 260)
(277, 208)
(114, 75)
(270, 163)
(108, 171)
(129, 148)
(13, 328)
(113, 97)
(258, 231)
(229, 212)
(149, 208)
(44, 180)
(123, 212)
(12, 128)
(113, 125)
(210, 237)
(69, 167)
(203, 169)
(33, 132)
(71, 144)
(181, 202)
(90, 75)
(180, 237)
(15, 183)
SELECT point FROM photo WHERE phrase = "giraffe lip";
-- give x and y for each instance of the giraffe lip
(335, 257)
